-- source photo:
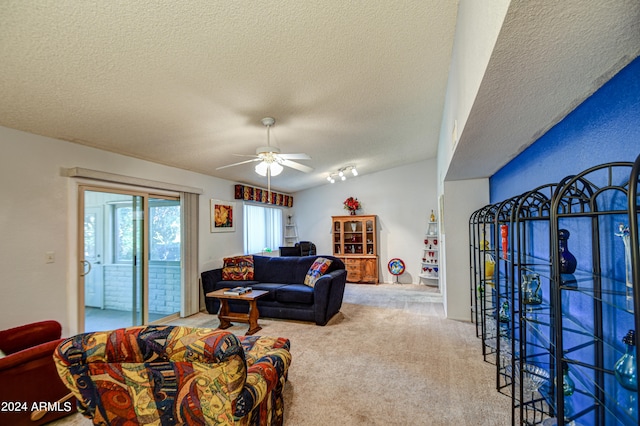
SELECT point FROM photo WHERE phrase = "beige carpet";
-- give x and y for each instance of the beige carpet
(388, 358)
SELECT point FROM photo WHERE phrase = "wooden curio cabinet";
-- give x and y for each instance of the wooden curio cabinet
(355, 242)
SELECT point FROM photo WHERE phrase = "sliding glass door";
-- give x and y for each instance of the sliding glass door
(164, 257)
(130, 258)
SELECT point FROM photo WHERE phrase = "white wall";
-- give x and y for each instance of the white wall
(402, 198)
(477, 28)
(39, 214)
(461, 199)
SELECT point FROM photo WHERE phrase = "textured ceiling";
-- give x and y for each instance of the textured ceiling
(549, 57)
(360, 82)
(187, 83)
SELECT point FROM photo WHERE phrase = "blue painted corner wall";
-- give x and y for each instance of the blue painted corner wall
(604, 128)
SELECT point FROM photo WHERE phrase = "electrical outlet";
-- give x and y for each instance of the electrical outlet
(50, 257)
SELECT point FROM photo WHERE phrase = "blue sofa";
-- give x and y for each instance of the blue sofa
(289, 297)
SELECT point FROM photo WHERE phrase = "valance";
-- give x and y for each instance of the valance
(259, 195)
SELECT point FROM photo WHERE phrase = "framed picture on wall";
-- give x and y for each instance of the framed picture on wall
(223, 217)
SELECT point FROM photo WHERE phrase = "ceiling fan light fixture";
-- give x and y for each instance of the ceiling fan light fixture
(261, 168)
(276, 168)
(271, 161)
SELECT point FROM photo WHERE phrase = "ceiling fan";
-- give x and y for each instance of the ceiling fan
(270, 158)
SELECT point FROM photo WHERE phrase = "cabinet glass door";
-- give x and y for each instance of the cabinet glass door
(369, 237)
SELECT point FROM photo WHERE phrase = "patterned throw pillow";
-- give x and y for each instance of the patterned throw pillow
(237, 268)
(318, 268)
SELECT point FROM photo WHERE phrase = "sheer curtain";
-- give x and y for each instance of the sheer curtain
(262, 228)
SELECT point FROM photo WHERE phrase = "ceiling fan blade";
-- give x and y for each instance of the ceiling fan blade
(245, 155)
(237, 164)
(297, 166)
(294, 156)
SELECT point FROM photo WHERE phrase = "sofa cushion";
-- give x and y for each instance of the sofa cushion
(270, 287)
(238, 268)
(295, 293)
(288, 270)
(275, 269)
(319, 267)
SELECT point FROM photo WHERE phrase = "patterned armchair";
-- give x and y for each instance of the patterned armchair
(168, 375)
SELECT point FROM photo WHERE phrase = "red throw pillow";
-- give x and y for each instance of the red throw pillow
(238, 268)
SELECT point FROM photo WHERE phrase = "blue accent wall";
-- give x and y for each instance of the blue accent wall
(604, 128)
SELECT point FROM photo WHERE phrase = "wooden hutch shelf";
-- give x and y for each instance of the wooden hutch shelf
(355, 242)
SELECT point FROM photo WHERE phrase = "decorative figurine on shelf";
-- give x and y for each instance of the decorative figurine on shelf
(504, 314)
(531, 292)
(504, 236)
(352, 204)
(568, 262)
(623, 232)
(568, 386)
(432, 218)
(489, 261)
(625, 368)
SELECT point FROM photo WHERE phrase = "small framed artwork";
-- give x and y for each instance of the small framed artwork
(223, 217)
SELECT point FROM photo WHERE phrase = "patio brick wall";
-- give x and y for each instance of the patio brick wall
(164, 288)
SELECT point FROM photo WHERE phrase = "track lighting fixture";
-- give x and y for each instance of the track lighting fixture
(342, 174)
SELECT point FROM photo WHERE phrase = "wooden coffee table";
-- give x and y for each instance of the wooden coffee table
(225, 316)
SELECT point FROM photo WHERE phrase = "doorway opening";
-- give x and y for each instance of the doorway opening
(130, 258)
